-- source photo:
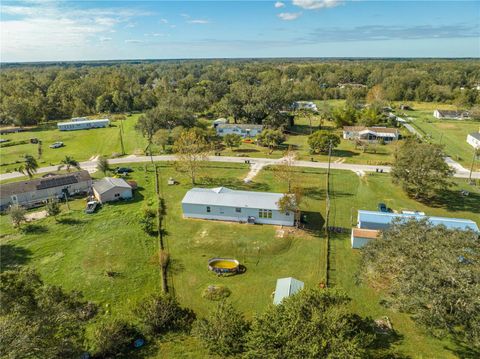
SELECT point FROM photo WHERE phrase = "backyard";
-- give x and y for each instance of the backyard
(77, 251)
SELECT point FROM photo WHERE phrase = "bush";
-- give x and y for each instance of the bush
(112, 338)
(162, 313)
(216, 292)
(224, 331)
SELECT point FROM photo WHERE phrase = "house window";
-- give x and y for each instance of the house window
(265, 213)
(220, 130)
(287, 213)
(117, 194)
(238, 210)
(208, 209)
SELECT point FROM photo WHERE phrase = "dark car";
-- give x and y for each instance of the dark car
(382, 207)
(121, 170)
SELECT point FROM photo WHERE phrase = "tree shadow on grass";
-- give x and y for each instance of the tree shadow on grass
(383, 343)
(312, 222)
(12, 256)
(344, 153)
(70, 221)
(33, 229)
(463, 349)
(454, 201)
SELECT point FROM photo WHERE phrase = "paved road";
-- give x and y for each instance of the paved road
(91, 165)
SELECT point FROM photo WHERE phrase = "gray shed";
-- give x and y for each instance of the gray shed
(285, 288)
(111, 189)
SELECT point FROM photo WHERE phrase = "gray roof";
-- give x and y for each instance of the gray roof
(78, 122)
(475, 135)
(222, 196)
(285, 288)
(452, 113)
(245, 126)
(60, 180)
(108, 183)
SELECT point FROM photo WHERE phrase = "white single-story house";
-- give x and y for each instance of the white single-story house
(224, 204)
(371, 134)
(451, 114)
(244, 130)
(285, 288)
(305, 105)
(35, 192)
(370, 223)
(111, 189)
(82, 124)
(474, 140)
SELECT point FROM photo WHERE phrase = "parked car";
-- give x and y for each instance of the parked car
(56, 145)
(121, 170)
(91, 207)
(382, 207)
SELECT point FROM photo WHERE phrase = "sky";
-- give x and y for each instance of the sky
(37, 30)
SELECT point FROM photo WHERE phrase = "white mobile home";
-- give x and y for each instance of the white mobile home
(451, 115)
(370, 134)
(473, 140)
(244, 130)
(33, 192)
(80, 124)
(224, 204)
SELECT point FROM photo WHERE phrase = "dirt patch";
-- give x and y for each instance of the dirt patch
(279, 233)
(35, 215)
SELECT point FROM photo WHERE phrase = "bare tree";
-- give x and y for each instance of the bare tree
(285, 171)
(191, 150)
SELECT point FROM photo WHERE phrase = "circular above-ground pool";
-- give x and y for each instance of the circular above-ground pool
(223, 265)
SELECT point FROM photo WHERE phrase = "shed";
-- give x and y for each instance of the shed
(111, 189)
(286, 287)
(360, 237)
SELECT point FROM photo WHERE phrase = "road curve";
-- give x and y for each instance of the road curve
(91, 165)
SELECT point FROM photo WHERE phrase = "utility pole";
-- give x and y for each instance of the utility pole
(327, 215)
(473, 162)
(121, 137)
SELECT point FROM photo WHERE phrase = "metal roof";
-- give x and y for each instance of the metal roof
(60, 180)
(222, 196)
(77, 122)
(245, 126)
(475, 135)
(285, 288)
(108, 183)
(387, 218)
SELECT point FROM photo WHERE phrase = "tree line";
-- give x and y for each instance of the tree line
(247, 90)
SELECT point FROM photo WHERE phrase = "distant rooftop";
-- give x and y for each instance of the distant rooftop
(78, 121)
(244, 126)
(222, 196)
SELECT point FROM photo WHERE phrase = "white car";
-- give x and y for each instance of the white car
(56, 145)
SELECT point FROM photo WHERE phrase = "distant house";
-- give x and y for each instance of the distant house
(224, 204)
(244, 130)
(474, 140)
(451, 115)
(285, 288)
(219, 121)
(35, 192)
(351, 85)
(81, 123)
(304, 105)
(371, 134)
(111, 189)
(370, 223)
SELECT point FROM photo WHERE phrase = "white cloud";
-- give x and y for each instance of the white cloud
(163, 21)
(317, 4)
(289, 16)
(279, 4)
(133, 41)
(56, 30)
(198, 21)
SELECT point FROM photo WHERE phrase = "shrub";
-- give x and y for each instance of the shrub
(216, 292)
(224, 331)
(162, 313)
(112, 338)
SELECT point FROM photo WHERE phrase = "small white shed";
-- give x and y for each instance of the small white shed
(285, 288)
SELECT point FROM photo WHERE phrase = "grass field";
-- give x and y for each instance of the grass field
(450, 133)
(81, 145)
(76, 252)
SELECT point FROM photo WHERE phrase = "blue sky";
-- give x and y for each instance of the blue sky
(36, 30)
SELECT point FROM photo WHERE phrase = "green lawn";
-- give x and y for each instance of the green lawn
(81, 145)
(451, 133)
(76, 252)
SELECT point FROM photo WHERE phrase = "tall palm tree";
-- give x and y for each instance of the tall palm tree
(67, 163)
(29, 167)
